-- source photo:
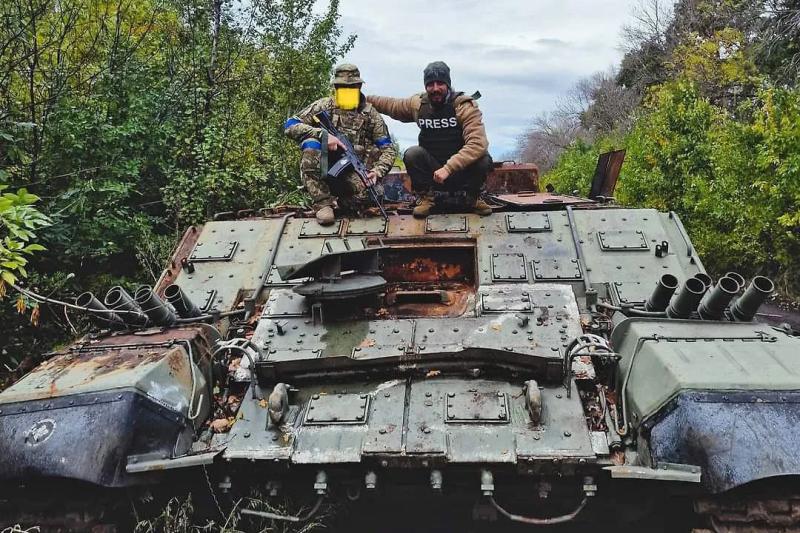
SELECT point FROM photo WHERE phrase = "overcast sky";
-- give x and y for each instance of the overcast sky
(522, 55)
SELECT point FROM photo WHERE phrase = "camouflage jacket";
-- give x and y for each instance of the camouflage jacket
(364, 127)
(476, 145)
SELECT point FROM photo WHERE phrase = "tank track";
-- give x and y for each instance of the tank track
(750, 514)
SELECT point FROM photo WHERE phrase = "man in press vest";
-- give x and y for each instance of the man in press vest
(453, 149)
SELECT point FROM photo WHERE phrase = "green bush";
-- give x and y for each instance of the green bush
(733, 180)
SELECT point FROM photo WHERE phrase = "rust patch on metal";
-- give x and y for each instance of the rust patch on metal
(185, 247)
(176, 362)
(453, 302)
(428, 281)
(85, 362)
(98, 363)
(606, 174)
(430, 264)
(422, 269)
(513, 178)
(543, 200)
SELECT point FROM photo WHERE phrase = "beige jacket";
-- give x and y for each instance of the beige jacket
(476, 145)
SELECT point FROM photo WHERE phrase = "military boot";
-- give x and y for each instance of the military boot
(424, 205)
(482, 208)
(325, 215)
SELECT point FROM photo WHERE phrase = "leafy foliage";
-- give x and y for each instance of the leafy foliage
(734, 182)
(130, 119)
(717, 136)
(18, 222)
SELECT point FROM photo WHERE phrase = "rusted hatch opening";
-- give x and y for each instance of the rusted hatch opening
(432, 280)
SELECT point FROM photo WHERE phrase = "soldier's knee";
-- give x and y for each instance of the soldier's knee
(356, 186)
(310, 162)
(484, 164)
(414, 155)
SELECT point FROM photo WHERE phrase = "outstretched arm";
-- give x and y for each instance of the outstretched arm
(402, 109)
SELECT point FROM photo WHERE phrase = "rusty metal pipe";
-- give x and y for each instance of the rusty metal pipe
(118, 298)
(662, 294)
(101, 315)
(713, 304)
(182, 304)
(154, 307)
(745, 308)
(687, 299)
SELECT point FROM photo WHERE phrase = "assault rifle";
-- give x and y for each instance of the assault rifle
(348, 160)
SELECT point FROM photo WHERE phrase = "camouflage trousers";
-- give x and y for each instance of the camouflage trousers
(350, 191)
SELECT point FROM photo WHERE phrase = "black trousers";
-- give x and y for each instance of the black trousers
(421, 165)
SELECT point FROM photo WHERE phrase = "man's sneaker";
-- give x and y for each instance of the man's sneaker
(424, 206)
(325, 216)
(482, 208)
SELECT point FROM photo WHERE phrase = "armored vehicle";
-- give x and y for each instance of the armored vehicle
(561, 361)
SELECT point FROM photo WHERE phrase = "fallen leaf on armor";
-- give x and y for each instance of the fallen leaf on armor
(367, 343)
(220, 425)
(433, 373)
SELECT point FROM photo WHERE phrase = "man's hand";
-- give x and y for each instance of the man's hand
(372, 178)
(440, 175)
(334, 143)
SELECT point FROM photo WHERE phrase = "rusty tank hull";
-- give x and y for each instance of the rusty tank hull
(560, 361)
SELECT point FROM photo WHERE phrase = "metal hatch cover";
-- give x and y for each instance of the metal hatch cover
(337, 409)
(528, 222)
(366, 226)
(556, 269)
(500, 302)
(623, 240)
(446, 224)
(477, 408)
(214, 251)
(509, 267)
(311, 228)
(285, 303)
(633, 292)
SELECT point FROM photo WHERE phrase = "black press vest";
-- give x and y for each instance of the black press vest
(439, 131)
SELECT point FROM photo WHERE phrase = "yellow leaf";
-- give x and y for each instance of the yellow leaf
(20, 304)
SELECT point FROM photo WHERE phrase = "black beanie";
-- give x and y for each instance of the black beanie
(437, 71)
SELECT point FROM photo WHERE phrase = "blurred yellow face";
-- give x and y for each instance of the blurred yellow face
(348, 98)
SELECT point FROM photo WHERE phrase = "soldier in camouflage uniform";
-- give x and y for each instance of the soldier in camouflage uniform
(354, 117)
